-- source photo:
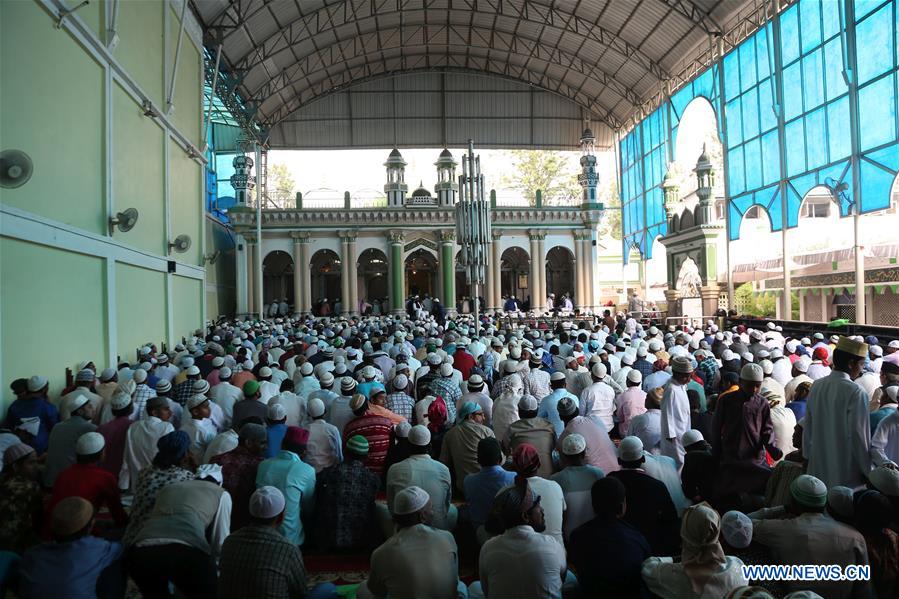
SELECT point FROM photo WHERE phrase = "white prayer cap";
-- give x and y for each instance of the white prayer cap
(574, 444)
(736, 528)
(315, 408)
(192, 371)
(145, 350)
(727, 355)
(752, 372)
(475, 380)
(218, 362)
(818, 336)
(224, 373)
(764, 354)
(885, 480)
(641, 351)
(557, 376)
(201, 386)
(510, 366)
(747, 356)
(400, 381)
(139, 376)
(196, 400)
(276, 412)
(419, 435)
(145, 366)
(630, 449)
(85, 375)
(691, 436)
(791, 345)
(893, 344)
(634, 376)
(107, 374)
(187, 362)
(76, 402)
(36, 383)
(162, 359)
(30, 425)
(840, 501)
(247, 365)
(627, 358)
(213, 471)
(403, 429)
(410, 500)
(776, 353)
(446, 369)
(119, 400)
(767, 366)
(527, 403)
(264, 372)
(266, 503)
(128, 386)
(802, 364)
(89, 444)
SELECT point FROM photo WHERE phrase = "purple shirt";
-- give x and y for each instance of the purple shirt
(114, 432)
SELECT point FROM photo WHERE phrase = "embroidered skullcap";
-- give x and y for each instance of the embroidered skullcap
(266, 503)
(357, 444)
(410, 500)
(736, 528)
(574, 444)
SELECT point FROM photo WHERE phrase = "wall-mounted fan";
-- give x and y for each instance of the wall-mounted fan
(15, 168)
(125, 220)
(181, 244)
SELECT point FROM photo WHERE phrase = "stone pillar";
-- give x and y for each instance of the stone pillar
(536, 264)
(354, 274)
(448, 269)
(302, 281)
(580, 278)
(346, 272)
(709, 295)
(671, 296)
(396, 272)
(241, 275)
(495, 300)
(541, 271)
(252, 249)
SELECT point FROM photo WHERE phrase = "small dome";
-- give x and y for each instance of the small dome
(395, 153)
(421, 192)
(446, 154)
(395, 159)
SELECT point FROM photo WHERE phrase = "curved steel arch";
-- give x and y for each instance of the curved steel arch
(346, 77)
(339, 56)
(310, 26)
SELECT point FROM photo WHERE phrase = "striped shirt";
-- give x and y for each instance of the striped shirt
(377, 430)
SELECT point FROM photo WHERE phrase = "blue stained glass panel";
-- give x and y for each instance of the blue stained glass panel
(877, 113)
(792, 86)
(747, 66)
(750, 103)
(816, 138)
(752, 159)
(763, 59)
(766, 103)
(795, 145)
(813, 80)
(876, 184)
(735, 171)
(830, 17)
(838, 136)
(810, 16)
(734, 123)
(770, 158)
(789, 34)
(863, 7)
(731, 75)
(835, 85)
(874, 43)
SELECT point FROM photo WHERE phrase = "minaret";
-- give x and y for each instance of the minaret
(396, 187)
(241, 179)
(705, 182)
(446, 179)
(588, 177)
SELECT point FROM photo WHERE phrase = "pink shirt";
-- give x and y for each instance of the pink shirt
(628, 404)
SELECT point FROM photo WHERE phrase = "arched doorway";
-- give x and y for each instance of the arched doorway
(324, 272)
(688, 284)
(421, 273)
(277, 277)
(515, 273)
(462, 287)
(372, 274)
(560, 271)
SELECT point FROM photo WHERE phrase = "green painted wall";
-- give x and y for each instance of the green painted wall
(51, 107)
(186, 297)
(138, 173)
(187, 112)
(140, 298)
(50, 298)
(221, 283)
(187, 203)
(141, 47)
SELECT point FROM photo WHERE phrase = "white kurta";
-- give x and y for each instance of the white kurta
(784, 421)
(140, 447)
(675, 421)
(885, 442)
(597, 402)
(790, 388)
(837, 432)
(225, 395)
(783, 371)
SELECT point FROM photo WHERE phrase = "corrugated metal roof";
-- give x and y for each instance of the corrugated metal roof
(604, 55)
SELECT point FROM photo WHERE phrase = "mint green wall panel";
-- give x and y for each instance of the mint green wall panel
(141, 308)
(63, 134)
(49, 294)
(141, 44)
(187, 298)
(187, 99)
(187, 202)
(138, 173)
(93, 16)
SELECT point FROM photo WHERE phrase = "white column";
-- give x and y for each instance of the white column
(534, 277)
(541, 296)
(354, 276)
(301, 280)
(252, 295)
(241, 275)
(496, 300)
(345, 273)
(578, 291)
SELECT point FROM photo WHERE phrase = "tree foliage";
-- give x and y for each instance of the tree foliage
(280, 181)
(554, 173)
(611, 222)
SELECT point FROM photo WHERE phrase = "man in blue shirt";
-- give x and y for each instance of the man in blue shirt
(34, 404)
(275, 428)
(481, 487)
(75, 564)
(549, 407)
(294, 478)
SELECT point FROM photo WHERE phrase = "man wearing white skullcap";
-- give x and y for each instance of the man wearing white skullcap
(225, 395)
(64, 436)
(324, 448)
(742, 429)
(199, 426)
(630, 403)
(420, 470)
(115, 432)
(141, 440)
(477, 394)
(325, 392)
(576, 479)
(257, 561)
(802, 533)
(417, 561)
(84, 385)
(597, 401)
(87, 479)
(33, 403)
(267, 389)
(675, 413)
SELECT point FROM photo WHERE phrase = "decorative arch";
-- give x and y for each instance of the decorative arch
(560, 271)
(687, 219)
(372, 280)
(689, 281)
(277, 277)
(515, 264)
(324, 271)
(421, 273)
